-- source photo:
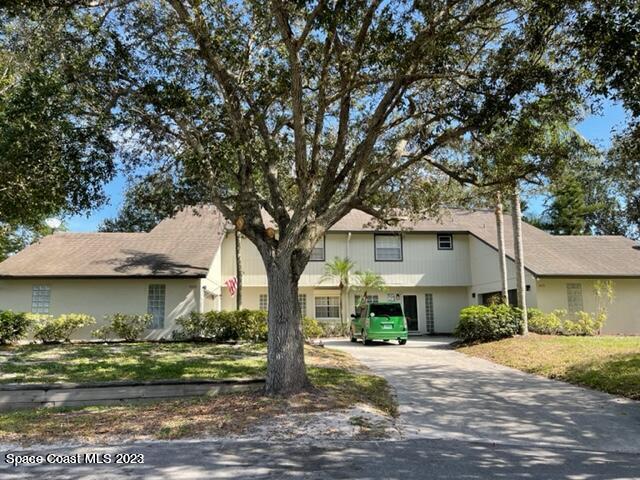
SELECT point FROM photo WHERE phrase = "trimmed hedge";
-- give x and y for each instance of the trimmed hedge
(247, 325)
(237, 325)
(13, 326)
(479, 323)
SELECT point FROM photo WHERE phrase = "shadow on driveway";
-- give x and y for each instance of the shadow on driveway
(446, 394)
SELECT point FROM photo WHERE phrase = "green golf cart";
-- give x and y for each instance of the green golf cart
(379, 321)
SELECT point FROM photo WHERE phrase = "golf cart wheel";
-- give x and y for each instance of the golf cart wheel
(402, 342)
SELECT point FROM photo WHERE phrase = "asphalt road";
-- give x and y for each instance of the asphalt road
(402, 460)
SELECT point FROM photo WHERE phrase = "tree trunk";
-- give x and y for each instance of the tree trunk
(501, 255)
(286, 372)
(238, 271)
(342, 312)
(516, 216)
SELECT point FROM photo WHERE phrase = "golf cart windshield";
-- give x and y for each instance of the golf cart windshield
(386, 309)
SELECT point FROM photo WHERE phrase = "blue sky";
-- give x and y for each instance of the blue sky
(597, 128)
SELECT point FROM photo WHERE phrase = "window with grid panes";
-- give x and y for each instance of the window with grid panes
(155, 305)
(327, 307)
(40, 299)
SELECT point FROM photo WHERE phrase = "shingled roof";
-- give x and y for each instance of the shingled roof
(180, 246)
(184, 246)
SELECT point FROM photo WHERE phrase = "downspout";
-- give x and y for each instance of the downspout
(348, 302)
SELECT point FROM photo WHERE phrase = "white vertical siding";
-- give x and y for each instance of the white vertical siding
(422, 264)
(485, 272)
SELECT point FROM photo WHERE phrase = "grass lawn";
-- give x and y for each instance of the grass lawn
(339, 380)
(607, 363)
(129, 361)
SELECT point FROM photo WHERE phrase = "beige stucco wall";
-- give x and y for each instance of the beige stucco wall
(623, 313)
(485, 273)
(100, 297)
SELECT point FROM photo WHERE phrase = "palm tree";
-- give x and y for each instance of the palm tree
(516, 217)
(368, 281)
(501, 254)
(339, 269)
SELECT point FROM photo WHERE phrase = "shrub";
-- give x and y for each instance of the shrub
(239, 325)
(334, 329)
(126, 326)
(533, 313)
(51, 330)
(584, 324)
(547, 323)
(247, 325)
(479, 323)
(192, 327)
(311, 328)
(103, 333)
(559, 323)
(13, 326)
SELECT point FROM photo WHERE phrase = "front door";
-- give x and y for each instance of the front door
(410, 307)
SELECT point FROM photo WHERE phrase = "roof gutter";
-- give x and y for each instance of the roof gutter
(99, 277)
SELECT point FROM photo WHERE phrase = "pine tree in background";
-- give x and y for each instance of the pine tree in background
(568, 210)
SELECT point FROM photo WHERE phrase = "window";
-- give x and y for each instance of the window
(574, 297)
(263, 302)
(327, 307)
(370, 299)
(302, 301)
(388, 247)
(388, 309)
(428, 303)
(317, 254)
(493, 298)
(40, 299)
(391, 297)
(155, 305)
(445, 241)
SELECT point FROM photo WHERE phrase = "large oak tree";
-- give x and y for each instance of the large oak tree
(306, 110)
(53, 157)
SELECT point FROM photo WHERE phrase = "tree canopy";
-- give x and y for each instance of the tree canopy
(609, 40)
(54, 155)
(309, 109)
(357, 99)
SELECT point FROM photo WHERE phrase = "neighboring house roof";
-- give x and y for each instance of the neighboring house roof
(184, 246)
(180, 246)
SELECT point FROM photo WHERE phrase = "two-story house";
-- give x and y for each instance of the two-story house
(433, 267)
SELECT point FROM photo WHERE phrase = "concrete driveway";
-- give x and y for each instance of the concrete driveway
(448, 395)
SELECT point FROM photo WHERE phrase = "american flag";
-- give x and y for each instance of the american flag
(232, 285)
